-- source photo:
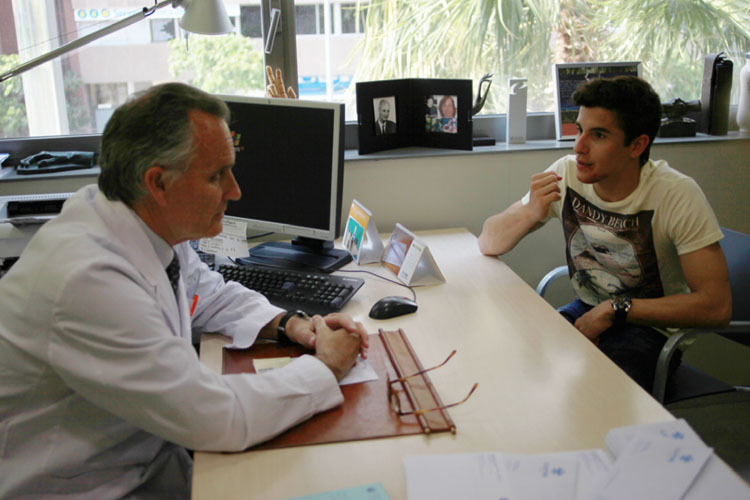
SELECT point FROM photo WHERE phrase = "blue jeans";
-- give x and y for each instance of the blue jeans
(634, 348)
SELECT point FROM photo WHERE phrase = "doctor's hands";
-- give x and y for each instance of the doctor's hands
(339, 320)
(305, 332)
(337, 349)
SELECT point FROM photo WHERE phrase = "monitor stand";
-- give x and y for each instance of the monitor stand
(302, 253)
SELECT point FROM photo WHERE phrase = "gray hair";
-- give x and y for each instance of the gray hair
(151, 128)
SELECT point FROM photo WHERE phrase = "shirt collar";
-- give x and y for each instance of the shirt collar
(164, 252)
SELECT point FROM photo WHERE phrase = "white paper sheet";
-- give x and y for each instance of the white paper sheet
(231, 242)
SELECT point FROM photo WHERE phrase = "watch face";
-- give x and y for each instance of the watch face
(621, 304)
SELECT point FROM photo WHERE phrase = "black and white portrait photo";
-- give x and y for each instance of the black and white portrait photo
(385, 115)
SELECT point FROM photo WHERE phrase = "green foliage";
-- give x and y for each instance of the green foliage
(13, 122)
(524, 38)
(672, 38)
(218, 64)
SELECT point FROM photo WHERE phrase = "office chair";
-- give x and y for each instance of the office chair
(688, 381)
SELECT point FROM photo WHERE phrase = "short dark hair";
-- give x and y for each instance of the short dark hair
(634, 102)
(153, 127)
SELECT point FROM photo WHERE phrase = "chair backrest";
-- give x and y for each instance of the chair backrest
(736, 247)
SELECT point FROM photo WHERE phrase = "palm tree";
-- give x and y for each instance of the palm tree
(523, 38)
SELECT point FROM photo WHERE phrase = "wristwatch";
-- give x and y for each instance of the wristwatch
(621, 304)
(281, 336)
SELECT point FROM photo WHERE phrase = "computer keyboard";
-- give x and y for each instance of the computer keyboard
(314, 293)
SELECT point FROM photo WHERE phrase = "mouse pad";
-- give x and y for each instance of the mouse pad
(366, 412)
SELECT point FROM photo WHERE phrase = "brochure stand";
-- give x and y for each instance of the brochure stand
(410, 259)
(361, 237)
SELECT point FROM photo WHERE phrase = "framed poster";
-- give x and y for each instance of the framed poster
(567, 79)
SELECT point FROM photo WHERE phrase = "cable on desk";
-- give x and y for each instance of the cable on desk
(411, 289)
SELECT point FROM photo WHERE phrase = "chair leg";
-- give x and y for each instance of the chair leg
(662, 364)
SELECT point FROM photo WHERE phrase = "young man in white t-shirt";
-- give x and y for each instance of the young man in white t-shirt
(641, 240)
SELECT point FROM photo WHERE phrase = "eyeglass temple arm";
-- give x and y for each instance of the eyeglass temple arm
(443, 407)
(420, 372)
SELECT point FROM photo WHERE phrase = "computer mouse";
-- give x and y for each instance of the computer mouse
(392, 306)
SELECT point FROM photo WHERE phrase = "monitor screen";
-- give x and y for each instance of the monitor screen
(290, 167)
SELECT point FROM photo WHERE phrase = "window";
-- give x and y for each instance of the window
(106, 98)
(520, 38)
(162, 30)
(308, 19)
(351, 20)
(250, 21)
(368, 41)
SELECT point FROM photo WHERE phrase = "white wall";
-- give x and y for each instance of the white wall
(462, 190)
(451, 190)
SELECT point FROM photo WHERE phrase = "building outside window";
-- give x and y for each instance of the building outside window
(352, 18)
(309, 19)
(162, 30)
(250, 21)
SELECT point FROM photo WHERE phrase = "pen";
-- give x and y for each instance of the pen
(195, 303)
(195, 297)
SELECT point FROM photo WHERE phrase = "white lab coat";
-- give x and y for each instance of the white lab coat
(100, 387)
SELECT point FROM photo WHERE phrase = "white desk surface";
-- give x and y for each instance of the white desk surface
(542, 386)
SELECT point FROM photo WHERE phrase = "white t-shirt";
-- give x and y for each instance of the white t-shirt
(631, 246)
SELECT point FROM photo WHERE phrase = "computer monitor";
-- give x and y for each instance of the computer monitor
(290, 168)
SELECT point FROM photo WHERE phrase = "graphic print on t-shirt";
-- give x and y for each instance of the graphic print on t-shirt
(609, 253)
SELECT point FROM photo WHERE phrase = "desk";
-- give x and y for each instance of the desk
(542, 386)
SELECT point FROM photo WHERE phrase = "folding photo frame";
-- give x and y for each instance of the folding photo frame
(433, 113)
(569, 76)
(361, 237)
(410, 259)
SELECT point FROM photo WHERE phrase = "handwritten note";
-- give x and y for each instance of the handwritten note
(231, 242)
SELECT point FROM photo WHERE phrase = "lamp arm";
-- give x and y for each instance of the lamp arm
(80, 42)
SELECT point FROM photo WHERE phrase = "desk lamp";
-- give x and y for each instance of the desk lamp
(207, 17)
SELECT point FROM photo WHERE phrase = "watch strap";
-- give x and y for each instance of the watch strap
(281, 337)
(621, 306)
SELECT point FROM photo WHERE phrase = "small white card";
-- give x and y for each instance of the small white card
(541, 476)
(264, 364)
(231, 242)
(361, 371)
(409, 265)
(657, 463)
(479, 476)
(618, 438)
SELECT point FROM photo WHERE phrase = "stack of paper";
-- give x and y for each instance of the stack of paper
(713, 479)
(664, 461)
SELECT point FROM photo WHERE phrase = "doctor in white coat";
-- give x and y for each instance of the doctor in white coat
(101, 389)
